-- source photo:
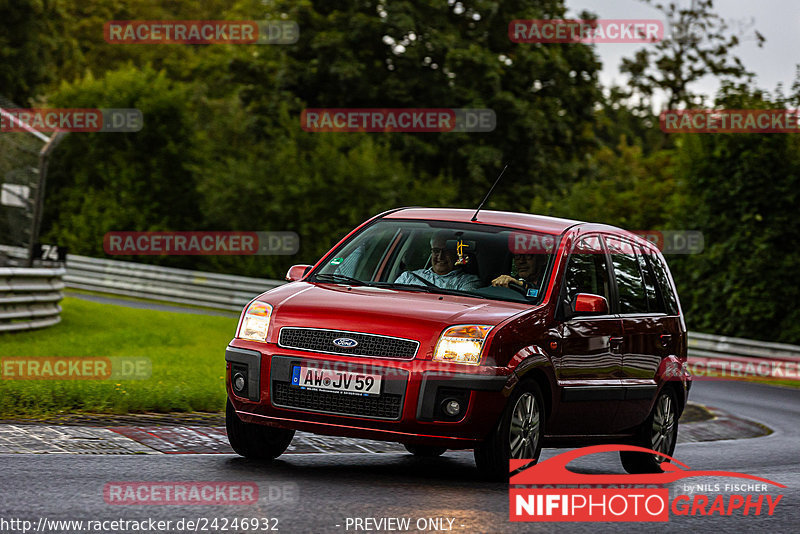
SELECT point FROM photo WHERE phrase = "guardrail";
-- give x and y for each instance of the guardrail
(182, 286)
(739, 357)
(165, 284)
(29, 297)
(711, 346)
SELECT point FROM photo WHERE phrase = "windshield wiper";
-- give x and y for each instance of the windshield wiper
(430, 288)
(336, 277)
(410, 287)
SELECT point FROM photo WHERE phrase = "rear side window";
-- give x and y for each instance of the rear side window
(628, 275)
(662, 279)
(654, 302)
(587, 271)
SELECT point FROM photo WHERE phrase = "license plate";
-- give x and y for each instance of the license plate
(344, 382)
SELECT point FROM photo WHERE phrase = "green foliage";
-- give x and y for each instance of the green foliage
(31, 44)
(188, 369)
(622, 187)
(124, 181)
(441, 55)
(742, 192)
(318, 185)
(698, 42)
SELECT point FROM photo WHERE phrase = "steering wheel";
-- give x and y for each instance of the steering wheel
(521, 288)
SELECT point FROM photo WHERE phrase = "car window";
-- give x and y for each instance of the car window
(662, 279)
(587, 271)
(630, 285)
(469, 258)
(654, 302)
(360, 259)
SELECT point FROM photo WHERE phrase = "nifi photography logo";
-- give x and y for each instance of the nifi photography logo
(548, 491)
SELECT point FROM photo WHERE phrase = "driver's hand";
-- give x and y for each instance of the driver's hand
(503, 280)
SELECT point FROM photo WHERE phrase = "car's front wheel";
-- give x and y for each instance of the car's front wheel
(518, 434)
(659, 432)
(256, 442)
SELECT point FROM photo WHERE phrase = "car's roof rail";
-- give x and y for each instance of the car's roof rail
(387, 212)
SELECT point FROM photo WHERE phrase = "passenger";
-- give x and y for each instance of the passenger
(442, 272)
(530, 270)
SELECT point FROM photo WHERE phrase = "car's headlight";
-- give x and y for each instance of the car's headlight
(461, 344)
(256, 321)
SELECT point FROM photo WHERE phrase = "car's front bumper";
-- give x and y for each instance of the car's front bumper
(408, 410)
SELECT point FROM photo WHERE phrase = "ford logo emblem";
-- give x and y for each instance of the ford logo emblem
(345, 342)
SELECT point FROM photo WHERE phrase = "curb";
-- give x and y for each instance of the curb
(202, 434)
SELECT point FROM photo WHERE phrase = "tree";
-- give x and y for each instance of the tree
(443, 55)
(318, 185)
(623, 187)
(700, 44)
(32, 45)
(100, 182)
(741, 191)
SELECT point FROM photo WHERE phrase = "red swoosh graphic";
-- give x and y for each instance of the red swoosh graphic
(554, 470)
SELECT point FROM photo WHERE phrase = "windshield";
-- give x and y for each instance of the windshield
(445, 257)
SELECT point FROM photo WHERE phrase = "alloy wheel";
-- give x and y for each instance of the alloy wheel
(524, 427)
(662, 434)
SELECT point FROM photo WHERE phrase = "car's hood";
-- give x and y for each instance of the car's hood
(411, 315)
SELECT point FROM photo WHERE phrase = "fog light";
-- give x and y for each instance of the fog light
(451, 407)
(239, 382)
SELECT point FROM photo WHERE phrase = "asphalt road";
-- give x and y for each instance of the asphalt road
(311, 493)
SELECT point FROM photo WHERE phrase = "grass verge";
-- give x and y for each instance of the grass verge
(186, 353)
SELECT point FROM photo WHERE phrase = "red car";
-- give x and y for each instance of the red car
(440, 329)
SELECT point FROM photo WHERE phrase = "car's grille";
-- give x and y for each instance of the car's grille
(387, 406)
(318, 340)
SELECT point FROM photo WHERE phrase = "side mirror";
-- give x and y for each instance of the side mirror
(297, 272)
(588, 304)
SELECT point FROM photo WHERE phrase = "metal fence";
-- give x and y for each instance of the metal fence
(29, 297)
(181, 286)
(24, 157)
(743, 357)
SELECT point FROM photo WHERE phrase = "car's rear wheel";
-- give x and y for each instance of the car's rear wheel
(257, 442)
(518, 434)
(659, 432)
(425, 451)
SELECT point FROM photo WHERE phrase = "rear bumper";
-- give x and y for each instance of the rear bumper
(408, 409)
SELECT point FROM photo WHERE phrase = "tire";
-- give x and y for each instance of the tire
(520, 440)
(659, 432)
(257, 442)
(425, 451)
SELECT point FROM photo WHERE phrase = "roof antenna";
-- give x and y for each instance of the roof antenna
(475, 217)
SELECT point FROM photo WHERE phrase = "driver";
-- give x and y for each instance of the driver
(442, 272)
(530, 269)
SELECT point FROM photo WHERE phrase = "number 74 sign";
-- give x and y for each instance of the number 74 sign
(49, 253)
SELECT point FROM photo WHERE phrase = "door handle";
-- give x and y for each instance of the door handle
(665, 339)
(615, 342)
